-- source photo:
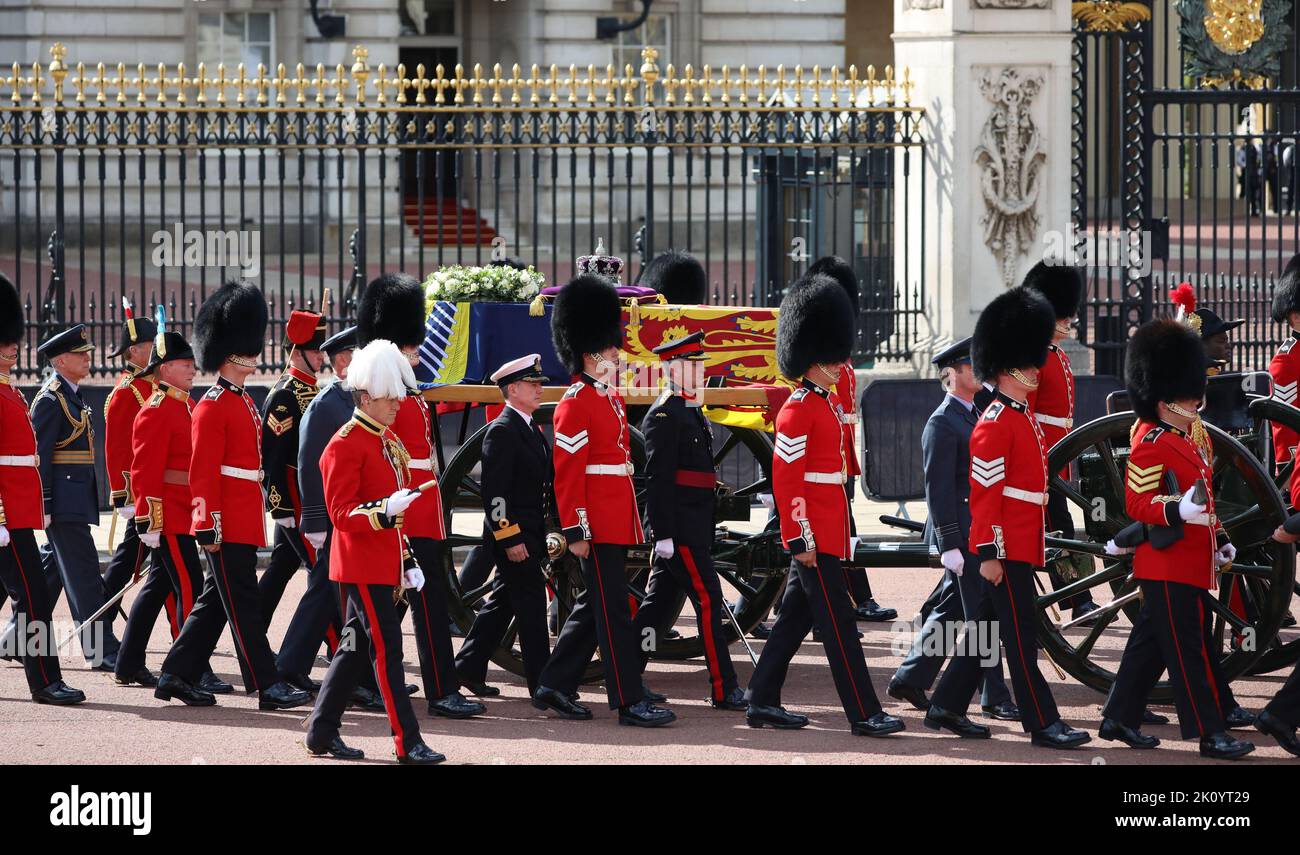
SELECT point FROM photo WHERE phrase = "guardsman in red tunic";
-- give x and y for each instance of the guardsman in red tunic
(225, 481)
(367, 493)
(1008, 494)
(1165, 374)
(1285, 368)
(596, 501)
(1053, 406)
(282, 413)
(846, 389)
(20, 518)
(814, 335)
(392, 308)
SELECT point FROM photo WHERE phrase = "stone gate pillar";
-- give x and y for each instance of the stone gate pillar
(994, 78)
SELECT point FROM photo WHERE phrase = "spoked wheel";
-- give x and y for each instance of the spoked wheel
(1253, 594)
(753, 564)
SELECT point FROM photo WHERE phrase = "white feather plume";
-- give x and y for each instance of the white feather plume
(382, 370)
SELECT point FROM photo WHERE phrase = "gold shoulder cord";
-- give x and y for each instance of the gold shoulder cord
(79, 425)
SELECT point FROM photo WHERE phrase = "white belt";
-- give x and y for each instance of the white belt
(1068, 424)
(1199, 519)
(849, 419)
(421, 463)
(825, 477)
(1039, 499)
(243, 474)
(20, 460)
(608, 469)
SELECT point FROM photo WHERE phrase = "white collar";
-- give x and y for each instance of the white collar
(528, 420)
(969, 405)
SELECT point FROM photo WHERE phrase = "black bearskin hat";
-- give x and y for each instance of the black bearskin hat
(1166, 362)
(587, 318)
(1061, 284)
(231, 322)
(678, 276)
(842, 272)
(11, 312)
(1286, 296)
(1013, 331)
(392, 307)
(815, 326)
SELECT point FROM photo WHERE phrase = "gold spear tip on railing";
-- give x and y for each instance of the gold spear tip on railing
(58, 50)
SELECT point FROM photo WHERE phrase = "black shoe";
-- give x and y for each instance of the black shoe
(900, 691)
(1058, 734)
(421, 755)
(171, 686)
(873, 612)
(761, 631)
(366, 699)
(561, 705)
(938, 718)
(479, 689)
(60, 694)
(1149, 717)
(282, 696)
(672, 635)
(107, 663)
(1239, 718)
(214, 685)
(879, 724)
(302, 682)
(1270, 725)
(734, 701)
(778, 717)
(1005, 711)
(336, 748)
(645, 714)
(1085, 609)
(142, 677)
(455, 706)
(1113, 731)
(648, 694)
(1288, 620)
(455, 631)
(411, 689)
(1224, 746)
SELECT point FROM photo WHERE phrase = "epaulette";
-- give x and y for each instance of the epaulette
(156, 398)
(1153, 434)
(347, 428)
(214, 393)
(992, 411)
(1287, 345)
(572, 391)
(799, 394)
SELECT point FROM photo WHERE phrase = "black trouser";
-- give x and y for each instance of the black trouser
(123, 565)
(855, 578)
(1170, 634)
(1058, 517)
(229, 593)
(20, 574)
(371, 616)
(432, 622)
(600, 618)
(816, 596)
(71, 562)
(518, 593)
(1012, 604)
(1286, 703)
(288, 554)
(690, 572)
(477, 567)
(176, 574)
(318, 618)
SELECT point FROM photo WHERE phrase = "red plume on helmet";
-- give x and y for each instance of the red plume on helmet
(1184, 297)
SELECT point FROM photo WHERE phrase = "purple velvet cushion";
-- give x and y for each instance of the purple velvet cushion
(623, 291)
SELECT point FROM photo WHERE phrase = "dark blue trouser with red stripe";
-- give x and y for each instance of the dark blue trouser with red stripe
(175, 574)
(518, 594)
(600, 618)
(123, 565)
(690, 572)
(432, 620)
(317, 618)
(372, 616)
(20, 576)
(1170, 635)
(817, 596)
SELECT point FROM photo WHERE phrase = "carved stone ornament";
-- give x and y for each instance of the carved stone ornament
(921, 5)
(1010, 158)
(1012, 4)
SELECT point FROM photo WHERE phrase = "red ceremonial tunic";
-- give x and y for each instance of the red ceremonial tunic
(847, 391)
(1157, 451)
(161, 460)
(21, 505)
(1053, 401)
(1285, 371)
(808, 473)
(414, 428)
(362, 465)
(593, 466)
(225, 469)
(120, 409)
(1008, 483)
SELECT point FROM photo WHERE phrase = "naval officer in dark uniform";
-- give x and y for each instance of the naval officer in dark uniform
(517, 476)
(945, 450)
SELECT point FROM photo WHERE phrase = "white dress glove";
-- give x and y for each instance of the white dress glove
(953, 560)
(286, 522)
(664, 548)
(4, 537)
(151, 539)
(1113, 548)
(1187, 509)
(46, 521)
(399, 501)
(126, 512)
(413, 578)
(1225, 555)
(315, 538)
